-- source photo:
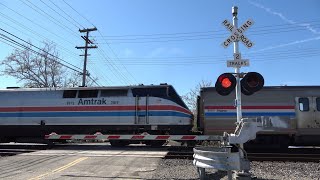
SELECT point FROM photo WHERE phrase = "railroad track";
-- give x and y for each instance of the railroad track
(284, 157)
(293, 155)
(181, 152)
(12, 152)
(179, 155)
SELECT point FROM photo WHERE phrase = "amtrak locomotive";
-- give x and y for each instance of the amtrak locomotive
(293, 110)
(33, 113)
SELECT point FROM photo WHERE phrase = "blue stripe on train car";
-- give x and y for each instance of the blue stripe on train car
(251, 114)
(95, 114)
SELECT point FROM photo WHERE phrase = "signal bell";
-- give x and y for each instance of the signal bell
(225, 84)
(251, 83)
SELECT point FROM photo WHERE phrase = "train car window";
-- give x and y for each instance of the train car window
(176, 98)
(303, 104)
(155, 92)
(318, 104)
(163, 92)
(69, 93)
(114, 92)
(88, 93)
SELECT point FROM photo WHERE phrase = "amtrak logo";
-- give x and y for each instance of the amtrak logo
(92, 101)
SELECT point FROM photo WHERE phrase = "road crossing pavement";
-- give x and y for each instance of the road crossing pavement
(82, 162)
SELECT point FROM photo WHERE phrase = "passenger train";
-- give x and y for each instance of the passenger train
(293, 111)
(27, 114)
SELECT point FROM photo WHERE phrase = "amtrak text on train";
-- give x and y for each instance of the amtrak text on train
(92, 101)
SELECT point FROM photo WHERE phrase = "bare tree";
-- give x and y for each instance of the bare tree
(40, 68)
(191, 97)
(75, 80)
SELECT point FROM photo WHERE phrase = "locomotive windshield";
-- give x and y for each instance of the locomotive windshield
(166, 92)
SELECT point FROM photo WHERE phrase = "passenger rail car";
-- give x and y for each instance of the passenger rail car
(294, 110)
(33, 113)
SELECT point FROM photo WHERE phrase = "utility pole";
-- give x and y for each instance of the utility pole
(86, 47)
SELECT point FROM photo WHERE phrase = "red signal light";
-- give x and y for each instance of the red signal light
(225, 84)
(251, 83)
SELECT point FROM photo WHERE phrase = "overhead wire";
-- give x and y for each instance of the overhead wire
(213, 59)
(66, 14)
(190, 38)
(119, 60)
(123, 75)
(32, 31)
(257, 29)
(262, 31)
(172, 58)
(28, 48)
(12, 41)
(54, 56)
(76, 25)
(204, 35)
(113, 68)
(51, 18)
(102, 76)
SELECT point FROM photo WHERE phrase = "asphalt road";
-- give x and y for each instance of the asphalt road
(94, 161)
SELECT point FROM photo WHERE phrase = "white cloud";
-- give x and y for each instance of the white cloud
(284, 18)
(288, 44)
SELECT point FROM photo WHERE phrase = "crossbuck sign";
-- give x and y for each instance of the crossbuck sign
(237, 34)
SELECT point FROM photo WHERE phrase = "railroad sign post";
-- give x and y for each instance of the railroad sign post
(236, 36)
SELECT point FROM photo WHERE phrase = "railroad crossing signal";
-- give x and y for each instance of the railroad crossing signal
(237, 33)
(250, 83)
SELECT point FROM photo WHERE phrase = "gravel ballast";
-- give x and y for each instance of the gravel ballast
(184, 169)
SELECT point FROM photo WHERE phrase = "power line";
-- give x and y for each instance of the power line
(77, 12)
(6, 38)
(32, 21)
(189, 38)
(105, 43)
(52, 19)
(59, 13)
(119, 59)
(113, 67)
(172, 58)
(37, 47)
(258, 29)
(213, 59)
(66, 14)
(28, 48)
(33, 32)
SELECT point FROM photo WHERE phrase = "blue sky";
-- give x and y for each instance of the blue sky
(176, 42)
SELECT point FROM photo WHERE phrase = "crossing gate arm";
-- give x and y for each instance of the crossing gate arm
(54, 136)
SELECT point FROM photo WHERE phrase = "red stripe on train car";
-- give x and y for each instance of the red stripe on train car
(163, 137)
(188, 137)
(113, 137)
(250, 107)
(137, 137)
(65, 137)
(92, 108)
(90, 137)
